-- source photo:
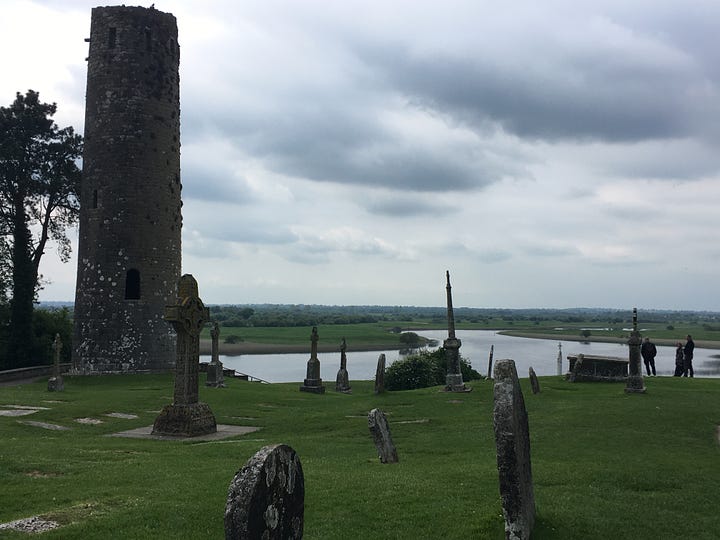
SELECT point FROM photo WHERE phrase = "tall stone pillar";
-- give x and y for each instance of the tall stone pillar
(453, 378)
(313, 382)
(130, 217)
(635, 381)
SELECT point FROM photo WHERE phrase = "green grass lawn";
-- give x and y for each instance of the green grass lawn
(605, 464)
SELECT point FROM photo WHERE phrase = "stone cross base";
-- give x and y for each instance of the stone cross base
(215, 377)
(56, 384)
(454, 383)
(185, 420)
(313, 385)
(635, 385)
(342, 384)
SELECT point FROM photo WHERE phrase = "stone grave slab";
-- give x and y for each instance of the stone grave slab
(380, 375)
(44, 425)
(17, 412)
(224, 431)
(380, 431)
(32, 525)
(512, 439)
(266, 498)
(534, 383)
(89, 421)
(126, 416)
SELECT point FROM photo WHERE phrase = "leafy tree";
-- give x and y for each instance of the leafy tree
(39, 186)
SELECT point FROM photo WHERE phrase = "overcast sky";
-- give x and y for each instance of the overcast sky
(547, 154)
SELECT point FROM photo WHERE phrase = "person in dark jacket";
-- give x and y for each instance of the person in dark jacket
(648, 352)
(679, 360)
(688, 353)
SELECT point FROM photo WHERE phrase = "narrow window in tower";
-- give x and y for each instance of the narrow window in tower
(112, 34)
(132, 285)
(148, 40)
(95, 198)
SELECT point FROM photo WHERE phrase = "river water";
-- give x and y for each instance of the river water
(541, 354)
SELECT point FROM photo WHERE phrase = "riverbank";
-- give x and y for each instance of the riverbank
(704, 344)
(250, 347)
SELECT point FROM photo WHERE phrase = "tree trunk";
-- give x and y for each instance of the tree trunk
(21, 340)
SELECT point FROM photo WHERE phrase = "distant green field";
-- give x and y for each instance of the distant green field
(359, 335)
(379, 334)
(605, 464)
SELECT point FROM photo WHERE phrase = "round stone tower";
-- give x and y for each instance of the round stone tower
(130, 207)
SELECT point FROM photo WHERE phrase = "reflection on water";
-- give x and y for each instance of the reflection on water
(541, 354)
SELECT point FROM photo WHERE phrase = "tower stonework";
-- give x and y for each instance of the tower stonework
(130, 218)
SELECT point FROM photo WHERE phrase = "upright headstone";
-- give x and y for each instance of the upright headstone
(266, 498)
(186, 417)
(635, 382)
(56, 383)
(490, 362)
(380, 375)
(559, 359)
(380, 431)
(313, 382)
(342, 381)
(453, 378)
(215, 377)
(512, 438)
(534, 383)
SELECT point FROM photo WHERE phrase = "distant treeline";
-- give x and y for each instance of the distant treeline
(312, 315)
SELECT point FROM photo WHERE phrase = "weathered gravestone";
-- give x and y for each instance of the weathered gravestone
(313, 382)
(512, 438)
(380, 375)
(380, 431)
(635, 381)
(56, 383)
(534, 383)
(594, 368)
(215, 377)
(342, 381)
(186, 417)
(266, 498)
(453, 378)
(490, 362)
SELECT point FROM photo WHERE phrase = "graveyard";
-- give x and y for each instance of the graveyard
(605, 463)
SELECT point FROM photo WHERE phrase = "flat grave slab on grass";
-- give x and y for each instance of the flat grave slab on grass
(17, 412)
(44, 425)
(126, 416)
(224, 431)
(20, 410)
(35, 524)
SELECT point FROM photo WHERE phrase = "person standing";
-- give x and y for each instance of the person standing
(688, 351)
(679, 360)
(648, 352)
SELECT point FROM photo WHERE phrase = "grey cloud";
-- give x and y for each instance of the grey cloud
(404, 206)
(584, 99)
(551, 250)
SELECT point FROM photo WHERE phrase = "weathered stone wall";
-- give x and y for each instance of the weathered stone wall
(130, 220)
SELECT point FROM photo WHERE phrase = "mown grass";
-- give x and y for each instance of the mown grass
(605, 464)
